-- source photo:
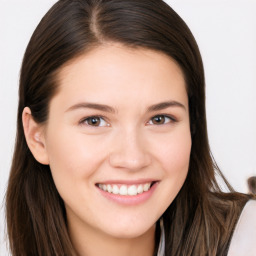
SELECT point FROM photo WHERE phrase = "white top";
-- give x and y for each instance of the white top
(243, 241)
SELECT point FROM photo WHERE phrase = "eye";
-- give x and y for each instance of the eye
(95, 121)
(161, 119)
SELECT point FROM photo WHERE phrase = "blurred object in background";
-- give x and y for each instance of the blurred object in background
(252, 185)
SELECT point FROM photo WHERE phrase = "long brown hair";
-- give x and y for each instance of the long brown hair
(201, 218)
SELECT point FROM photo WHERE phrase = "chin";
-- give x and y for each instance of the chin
(131, 231)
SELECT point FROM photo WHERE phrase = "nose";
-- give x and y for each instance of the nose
(129, 152)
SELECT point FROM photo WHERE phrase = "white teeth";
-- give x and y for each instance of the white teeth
(146, 186)
(115, 189)
(132, 190)
(140, 189)
(125, 190)
(109, 188)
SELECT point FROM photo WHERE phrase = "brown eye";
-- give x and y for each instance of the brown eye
(161, 119)
(158, 120)
(95, 121)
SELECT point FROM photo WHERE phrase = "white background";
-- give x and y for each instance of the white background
(226, 33)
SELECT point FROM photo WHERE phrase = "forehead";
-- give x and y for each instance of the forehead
(116, 71)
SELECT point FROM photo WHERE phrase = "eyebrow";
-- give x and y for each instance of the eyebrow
(106, 108)
(97, 106)
(164, 105)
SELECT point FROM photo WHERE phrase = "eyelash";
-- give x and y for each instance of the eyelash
(165, 116)
(172, 119)
(85, 120)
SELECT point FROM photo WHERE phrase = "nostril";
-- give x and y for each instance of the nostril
(129, 161)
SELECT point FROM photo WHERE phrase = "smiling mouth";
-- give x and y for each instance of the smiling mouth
(126, 190)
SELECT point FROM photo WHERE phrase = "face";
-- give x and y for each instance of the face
(118, 139)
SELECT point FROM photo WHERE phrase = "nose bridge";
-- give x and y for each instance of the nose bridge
(130, 150)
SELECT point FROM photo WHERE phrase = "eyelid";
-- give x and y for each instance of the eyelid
(83, 121)
(171, 117)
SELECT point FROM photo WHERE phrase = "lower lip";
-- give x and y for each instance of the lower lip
(130, 200)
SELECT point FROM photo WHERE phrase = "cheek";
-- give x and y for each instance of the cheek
(175, 153)
(175, 163)
(71, 156)
(173, 156)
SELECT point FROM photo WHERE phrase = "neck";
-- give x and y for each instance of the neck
(88, 242)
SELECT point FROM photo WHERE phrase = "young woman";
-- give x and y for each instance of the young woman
(112, 155)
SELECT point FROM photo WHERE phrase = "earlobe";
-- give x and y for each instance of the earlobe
(34, 137)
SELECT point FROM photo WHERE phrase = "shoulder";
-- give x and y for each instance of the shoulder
(243, 240)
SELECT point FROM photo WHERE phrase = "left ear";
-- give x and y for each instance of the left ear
(35, 138)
